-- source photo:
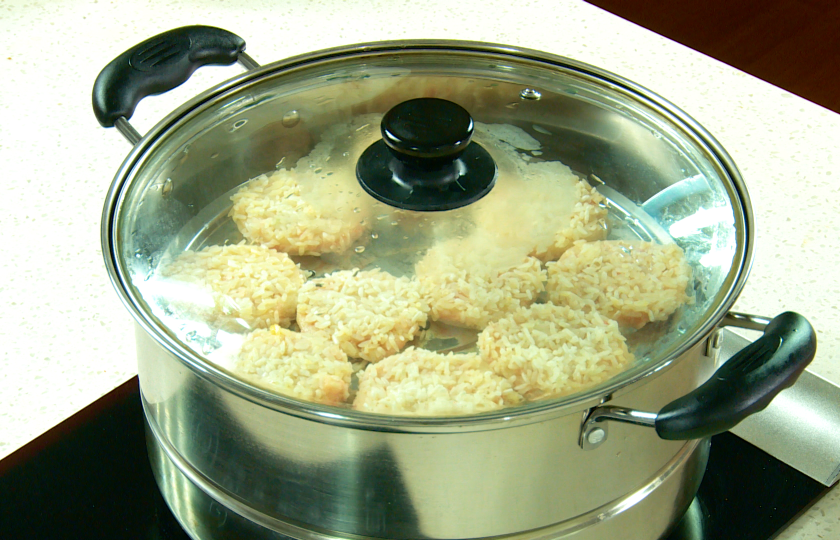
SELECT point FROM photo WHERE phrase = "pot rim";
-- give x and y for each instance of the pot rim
(532, 412)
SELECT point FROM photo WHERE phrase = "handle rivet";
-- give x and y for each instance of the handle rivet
(596, 436)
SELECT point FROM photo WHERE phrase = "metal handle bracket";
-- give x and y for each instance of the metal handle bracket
(743, 386)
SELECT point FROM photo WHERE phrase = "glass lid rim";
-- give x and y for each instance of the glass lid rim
(534, 411)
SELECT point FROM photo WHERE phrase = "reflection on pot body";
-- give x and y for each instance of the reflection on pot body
(236, 461)
(642, 514)
(461, 482)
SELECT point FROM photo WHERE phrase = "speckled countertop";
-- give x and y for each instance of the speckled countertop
(67, 340)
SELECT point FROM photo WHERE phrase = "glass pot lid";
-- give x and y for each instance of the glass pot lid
(431, 230)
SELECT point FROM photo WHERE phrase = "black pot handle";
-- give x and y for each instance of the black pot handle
(160, 64)
(744, 385)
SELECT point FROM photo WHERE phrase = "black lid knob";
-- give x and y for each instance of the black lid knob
(425, 160)
(428, 129)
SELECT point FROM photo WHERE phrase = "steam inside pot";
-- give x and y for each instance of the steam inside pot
(306, 286)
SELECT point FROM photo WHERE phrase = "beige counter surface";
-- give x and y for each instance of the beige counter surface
(66, 338)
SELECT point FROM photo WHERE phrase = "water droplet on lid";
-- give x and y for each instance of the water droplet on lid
(238, 124)
(657, 134)
(290, 119)
(359, 249)
(214, 155)
(530, 94)
(393, 223)
(210, 345)
(374, 236)
(167, 186)
(512, 105)
(541, 129)
(345, 154)
(380, 217)
(357, 210)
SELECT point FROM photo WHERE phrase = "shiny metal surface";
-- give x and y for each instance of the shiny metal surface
(800, 427)
(595, 429)
(745, 321)
(595, 436)
(713, 345)
(351, 474)
(626, 416)
(202, 140)
(127, 130)
(461, 483)
(647, 513)
(247, 62)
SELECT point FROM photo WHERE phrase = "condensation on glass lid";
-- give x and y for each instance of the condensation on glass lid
(308, 287)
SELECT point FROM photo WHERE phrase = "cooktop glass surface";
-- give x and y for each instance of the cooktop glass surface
(90, 478)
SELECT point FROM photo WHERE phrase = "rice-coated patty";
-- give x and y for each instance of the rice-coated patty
(471, 282)
(541, 205)
(303, 366)
(588, 223)
(369, 314)
(272, 210)
(253, 283)
(548, 351)
(425, 383)
(632, 282)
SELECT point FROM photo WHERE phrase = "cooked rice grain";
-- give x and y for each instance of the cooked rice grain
(272, 211)
(471, 282)
(588, 223)
(548, 351)
(252, 283)
(369, 314)
(303, 366)
(425, 383)
(631, 282)
(540, 205)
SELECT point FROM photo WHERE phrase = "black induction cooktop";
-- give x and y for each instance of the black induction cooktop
(89, 478)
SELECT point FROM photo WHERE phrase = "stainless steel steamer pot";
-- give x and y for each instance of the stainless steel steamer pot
(621, 460)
